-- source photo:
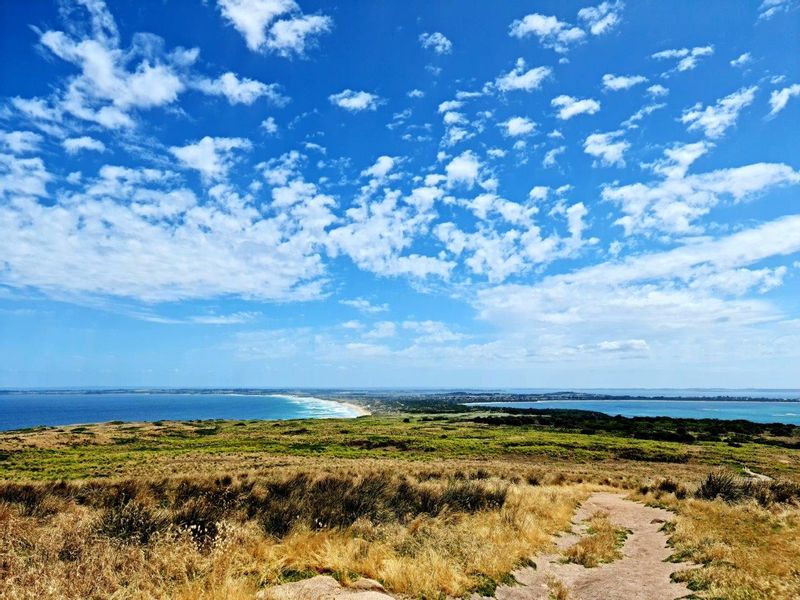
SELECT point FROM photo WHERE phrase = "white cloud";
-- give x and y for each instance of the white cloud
(602, 18)
(657, 90)
(437, 42)
(276, 25)
(242, 91)
(463, 169)
(621, 82)
(687, 57)
(431, 332)
(569, 107)
(518, 126)
(353, 101)
(289, 37)
(269, 125)
(23, 177)
(20, 142)
(550, 157)
(770, 8)
(714, 120)
(742, 60)
(415, 93)
(133, 233)
(659, 303)
(778, 99)
(551, 32)
(382, 330)
(675, 204)
(365, 306)
(116, 83)
(521, 79)
(607, 148)
(381, 168)
(229, 319)
(631, 122)
(494, 252)
(212, 157)
(75, 145)
(539, 193)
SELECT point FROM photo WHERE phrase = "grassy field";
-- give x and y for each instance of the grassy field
(110, 450)
(430, 505)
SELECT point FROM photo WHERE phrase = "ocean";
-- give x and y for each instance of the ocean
(30, 409)
(757, 411)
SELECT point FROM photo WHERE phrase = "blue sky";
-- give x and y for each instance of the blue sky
(456, 194)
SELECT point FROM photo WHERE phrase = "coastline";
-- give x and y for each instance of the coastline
(362, 411)
(359, 410)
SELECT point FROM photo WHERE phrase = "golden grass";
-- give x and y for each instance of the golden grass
(601, 544)
(748, 552)
(58, 552)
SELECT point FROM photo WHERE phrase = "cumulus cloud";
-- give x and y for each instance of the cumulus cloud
(136, 233)
(657, 90)
(463, 170)
(437, 42)
(715, 120)
(20, 142)
(602, 18)
(274, 25)
(550, 32)
(569, 107)
(687, 58)
(607, 148)
(675, 204)
(354, 101)
(621, 82)
(778, 99)
(742, 60)
(211, 156)
(270, 125)
(381, 168)
(242, 91)
(655, 302)
(550, 158)
(75, 145)
(116, 83)
(521, 78)
(518, 126)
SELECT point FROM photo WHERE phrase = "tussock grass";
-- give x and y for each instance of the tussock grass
(728, 487)
(744, 535)
(226, 537)
(602, 544)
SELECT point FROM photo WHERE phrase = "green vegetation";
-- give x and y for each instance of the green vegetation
(111, 450)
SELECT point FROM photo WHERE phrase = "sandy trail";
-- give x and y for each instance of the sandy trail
(641, 573)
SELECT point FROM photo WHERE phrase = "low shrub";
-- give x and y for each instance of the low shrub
(131, 521)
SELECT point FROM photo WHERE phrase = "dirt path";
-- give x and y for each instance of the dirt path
(641, 573)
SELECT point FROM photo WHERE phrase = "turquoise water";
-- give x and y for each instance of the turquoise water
(760, 412)
(21, 410)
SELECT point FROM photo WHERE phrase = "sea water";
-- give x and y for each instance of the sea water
(30, 409)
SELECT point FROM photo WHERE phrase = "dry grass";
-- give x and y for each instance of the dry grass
(748, 552)
(602, 543)
(421, 536)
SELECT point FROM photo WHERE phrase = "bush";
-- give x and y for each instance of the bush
(338, 501)
(719, 484)
(731, 489)
(130, 522)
